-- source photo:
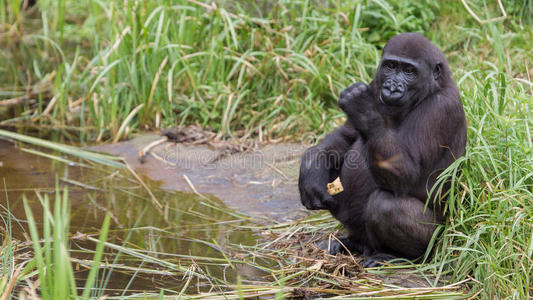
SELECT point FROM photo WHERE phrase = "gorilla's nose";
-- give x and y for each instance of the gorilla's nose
(393, 86)
(391, 91)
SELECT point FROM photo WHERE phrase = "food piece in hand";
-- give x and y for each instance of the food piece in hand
(335, 187)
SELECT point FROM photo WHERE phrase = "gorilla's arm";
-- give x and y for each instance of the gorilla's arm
(403, 156)
(321, 164)
(393, 163)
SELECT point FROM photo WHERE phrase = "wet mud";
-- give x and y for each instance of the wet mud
(262, 183)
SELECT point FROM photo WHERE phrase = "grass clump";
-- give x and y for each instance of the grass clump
(52, 259)
(489, 237)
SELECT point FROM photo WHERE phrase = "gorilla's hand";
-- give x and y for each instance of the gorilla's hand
(313, 180)
(357, 102)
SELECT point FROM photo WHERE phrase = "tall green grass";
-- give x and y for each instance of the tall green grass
(52, 257)
(114, 67)
(489, 238)
(177, 62)
(49, 266)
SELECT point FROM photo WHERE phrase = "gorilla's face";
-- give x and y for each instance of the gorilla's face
(405, 80)
(400, 78)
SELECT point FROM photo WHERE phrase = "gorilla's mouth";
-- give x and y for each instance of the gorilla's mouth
(390, 98)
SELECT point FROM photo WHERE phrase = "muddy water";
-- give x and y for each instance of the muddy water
(187, 224)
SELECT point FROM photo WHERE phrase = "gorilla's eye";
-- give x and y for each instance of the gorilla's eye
(389, 65)
(409, 70)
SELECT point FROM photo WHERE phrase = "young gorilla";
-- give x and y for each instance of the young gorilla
(403, 129)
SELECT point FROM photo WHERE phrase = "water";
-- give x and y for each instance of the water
(187, 226)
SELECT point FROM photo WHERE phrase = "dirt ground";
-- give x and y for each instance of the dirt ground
(261, 182)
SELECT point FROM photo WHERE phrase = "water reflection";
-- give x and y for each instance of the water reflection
(188, 229)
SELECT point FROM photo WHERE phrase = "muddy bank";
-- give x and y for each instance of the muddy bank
(261, 183)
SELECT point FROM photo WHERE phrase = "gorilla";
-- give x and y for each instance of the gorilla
(402, 130)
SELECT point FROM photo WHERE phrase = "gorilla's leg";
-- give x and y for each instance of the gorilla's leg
(400, 226)
(358, 184)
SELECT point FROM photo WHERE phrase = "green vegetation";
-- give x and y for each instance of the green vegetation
(106, 69)
(55, 271)
(111, 68)
(490, 235)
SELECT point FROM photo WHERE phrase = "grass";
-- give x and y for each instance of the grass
(56, 275)
(492, 205)
(102, 70)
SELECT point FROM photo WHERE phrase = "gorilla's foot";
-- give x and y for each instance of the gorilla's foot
(334, 246)
(377, 260)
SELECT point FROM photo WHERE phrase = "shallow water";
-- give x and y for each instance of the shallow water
(187, 225)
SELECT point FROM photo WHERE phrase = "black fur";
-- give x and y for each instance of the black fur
(403, 129)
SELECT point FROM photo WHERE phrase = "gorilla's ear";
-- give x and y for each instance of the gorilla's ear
(437, 70)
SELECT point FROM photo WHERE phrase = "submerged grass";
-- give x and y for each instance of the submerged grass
(108, 160)
(274, 70)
